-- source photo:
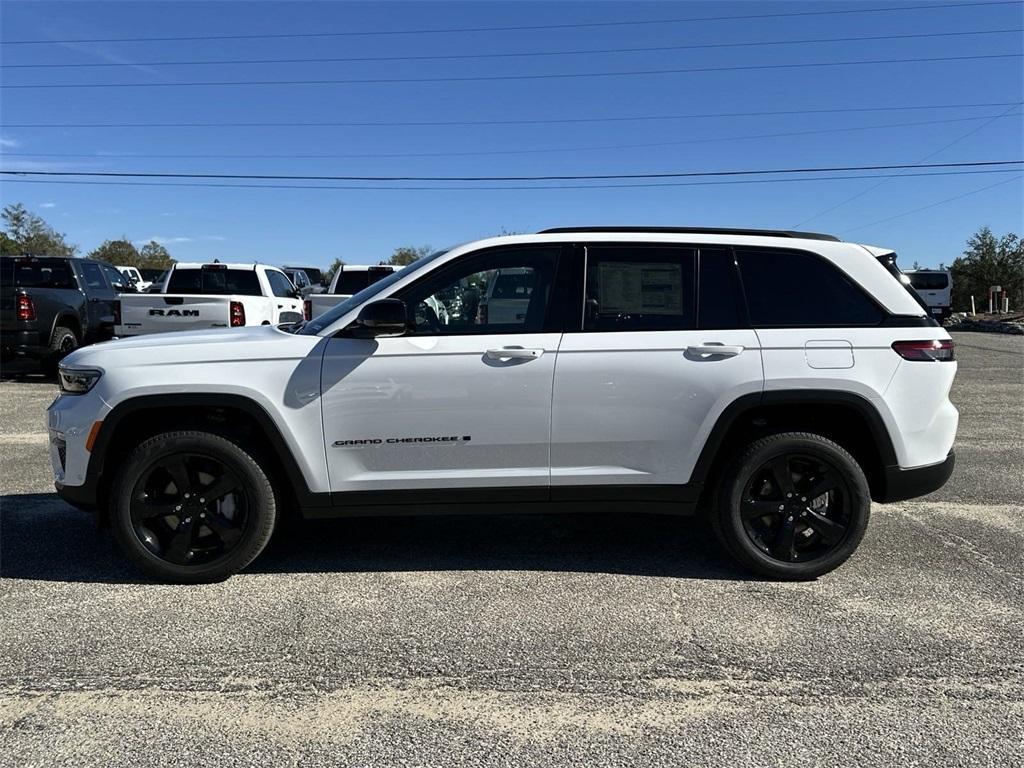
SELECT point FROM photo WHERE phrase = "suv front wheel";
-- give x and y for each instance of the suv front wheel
(192, 507)
(792, 506)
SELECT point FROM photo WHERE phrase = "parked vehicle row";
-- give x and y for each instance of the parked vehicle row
(777, 382)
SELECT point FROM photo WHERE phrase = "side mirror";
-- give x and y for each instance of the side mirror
(386, 317)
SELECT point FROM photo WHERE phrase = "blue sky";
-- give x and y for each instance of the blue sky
(364, 226)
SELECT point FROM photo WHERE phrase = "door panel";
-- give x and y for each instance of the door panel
(441, 411)
(636, 408)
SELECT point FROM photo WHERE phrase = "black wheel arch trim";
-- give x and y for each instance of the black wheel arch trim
(86, 495)
(744, 404)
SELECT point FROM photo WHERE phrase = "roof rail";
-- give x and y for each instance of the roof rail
(696, 231)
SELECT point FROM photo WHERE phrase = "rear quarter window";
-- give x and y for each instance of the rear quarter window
(797, 289)
(38, 273)
(215, 282)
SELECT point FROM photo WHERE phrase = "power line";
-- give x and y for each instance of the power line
(545, 121)
(517, 54)
(496, 152)
(518, 28)
(602, 176)
(927, 157)
(493, 78)
(934, 205)
(433, 188)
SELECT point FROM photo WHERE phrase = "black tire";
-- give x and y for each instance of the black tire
(169, 534)
(792, 506)
(63, 341)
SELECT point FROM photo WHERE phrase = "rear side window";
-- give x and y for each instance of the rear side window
(718, 301)
(353, 281)
(639, 288)
(279, 284)
(38, 273)
(213, 282)
(795, 288)
(929, 281)
(94, 276)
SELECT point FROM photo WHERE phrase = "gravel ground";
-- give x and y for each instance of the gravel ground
(585, 640)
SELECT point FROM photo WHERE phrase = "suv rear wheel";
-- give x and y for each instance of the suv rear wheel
(792, 506)
(192, 507)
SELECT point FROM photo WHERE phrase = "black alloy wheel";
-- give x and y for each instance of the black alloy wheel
(192, 507)
(189, 509)
(792, 506)
(795, 508)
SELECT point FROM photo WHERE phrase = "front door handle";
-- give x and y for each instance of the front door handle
(514, 353)
(722, 350)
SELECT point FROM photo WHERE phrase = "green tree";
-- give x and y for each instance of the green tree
(407, 255)
(989, 260)
(154, 256)
(120, 253)
(328, 274)
(26, 233)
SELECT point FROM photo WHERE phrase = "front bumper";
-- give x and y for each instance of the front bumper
(79, 496)
(902, 484)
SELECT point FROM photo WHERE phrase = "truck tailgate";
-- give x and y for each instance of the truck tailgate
(161, 312)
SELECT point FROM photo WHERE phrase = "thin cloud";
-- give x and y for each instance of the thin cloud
(9, 143)
(113, 58)
(47, 205)
(163, 240)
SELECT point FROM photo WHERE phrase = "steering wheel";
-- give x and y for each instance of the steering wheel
(426, 318)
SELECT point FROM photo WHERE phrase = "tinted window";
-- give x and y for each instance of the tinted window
(279, 284)
(207, 281)
(795, 288)
(353, 281)
(639, 288)
(119, 281)
(718, 301)
(501, 291)
(929, 281)
(93, 276)
(38, 273)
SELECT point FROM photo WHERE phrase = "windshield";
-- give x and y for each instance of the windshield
(317, 324)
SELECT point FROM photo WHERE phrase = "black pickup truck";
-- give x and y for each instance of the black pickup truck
(51, 305)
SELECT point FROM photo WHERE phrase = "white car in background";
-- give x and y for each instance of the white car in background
(198, 296)
(135, 278)
(935, 287)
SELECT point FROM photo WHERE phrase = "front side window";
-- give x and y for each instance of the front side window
(118, 281)
(639, 288)
(799, 289)
(279, 284)
(501, 291)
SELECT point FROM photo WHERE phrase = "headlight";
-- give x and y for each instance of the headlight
(77, 381)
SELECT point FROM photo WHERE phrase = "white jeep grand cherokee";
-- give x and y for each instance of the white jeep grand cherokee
(776, 381)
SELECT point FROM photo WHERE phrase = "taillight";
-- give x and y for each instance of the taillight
(929, 351)
(117, 312)
(307, 309)
(237, 314)
(26, 308)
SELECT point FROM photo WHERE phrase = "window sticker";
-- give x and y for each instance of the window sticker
(631, 288)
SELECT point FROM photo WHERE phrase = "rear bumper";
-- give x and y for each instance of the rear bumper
(22, 343)
(902, 484)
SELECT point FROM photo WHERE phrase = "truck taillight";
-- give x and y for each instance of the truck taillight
(26, 308)
(117, 312)
(237, 314)
(307, 309)
(929, 351)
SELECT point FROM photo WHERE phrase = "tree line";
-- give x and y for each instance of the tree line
(25, 233)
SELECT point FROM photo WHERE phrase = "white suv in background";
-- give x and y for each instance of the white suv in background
(775, 381)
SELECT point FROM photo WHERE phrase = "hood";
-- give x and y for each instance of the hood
(208, 346)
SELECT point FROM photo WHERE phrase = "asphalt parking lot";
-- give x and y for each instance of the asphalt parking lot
(577, 640)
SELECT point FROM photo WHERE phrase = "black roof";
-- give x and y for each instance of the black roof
(697, 231)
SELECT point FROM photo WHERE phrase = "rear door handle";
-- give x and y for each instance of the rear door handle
(722, 350)
(514, 353)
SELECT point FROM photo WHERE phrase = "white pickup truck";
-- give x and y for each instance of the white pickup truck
(349, 279)
(198, 296)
